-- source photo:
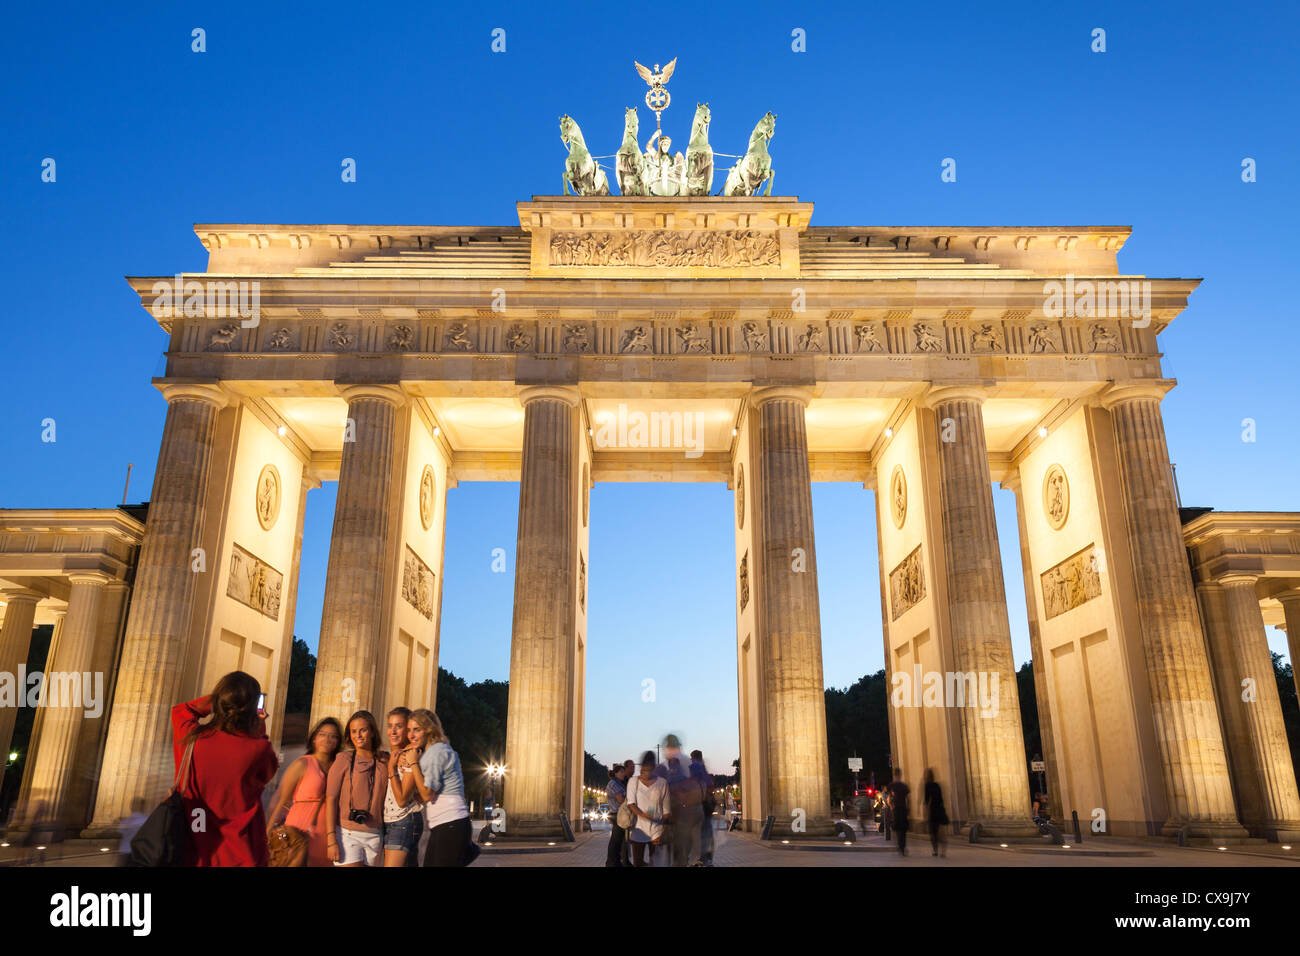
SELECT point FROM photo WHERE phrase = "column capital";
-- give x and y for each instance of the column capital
(12, 594)
(1012, 482)
(392, 394)
(1121, 392)
(568, 394)
(1291, 597)
(209, 393)
(1237, 578)
(95, 578)
(777, 393)
(938, 394)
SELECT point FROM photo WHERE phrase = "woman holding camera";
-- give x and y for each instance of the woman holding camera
(230, 764)
(354, 797)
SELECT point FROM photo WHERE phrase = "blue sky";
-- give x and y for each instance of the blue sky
(150, 137)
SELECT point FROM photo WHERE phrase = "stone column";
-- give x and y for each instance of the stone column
(1262, 715)
(15, 644)
(1219, 638)
(1290, 601)
(290, 604)
(997, 781)
(542, 643)
(798, 780)
(358, 578)
(1182, 693)
(1039, 661)
(52, 769)
(138, 763)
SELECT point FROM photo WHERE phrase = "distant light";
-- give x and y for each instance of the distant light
(889, 433)
(103, 849)
(1286, 846)
(1065, 846)
(282, 431)
(40, 848)
(1223, 848)
(1003, 845)
(552, 843)
(1042, 432)
(785, 841)
(590, 431)
(3, 844)
(436, 431)
(735, 432)
(848, 843)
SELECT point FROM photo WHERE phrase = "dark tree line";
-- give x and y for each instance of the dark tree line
(857, 722)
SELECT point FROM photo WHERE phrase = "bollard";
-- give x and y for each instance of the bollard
(1078, 834)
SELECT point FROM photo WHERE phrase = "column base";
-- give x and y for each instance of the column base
(819, 828)
(1281, 831)
(102, 831)
(528, 829)
(1005, 827)
(1206, 830)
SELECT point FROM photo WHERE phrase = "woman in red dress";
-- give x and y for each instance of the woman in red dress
(231, 766)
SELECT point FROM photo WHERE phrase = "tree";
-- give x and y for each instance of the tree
(302, 678)
(857, 724)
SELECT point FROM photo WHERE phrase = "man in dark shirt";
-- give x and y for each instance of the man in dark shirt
(898, 797)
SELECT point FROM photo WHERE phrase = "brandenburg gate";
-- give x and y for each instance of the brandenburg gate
(925, 363)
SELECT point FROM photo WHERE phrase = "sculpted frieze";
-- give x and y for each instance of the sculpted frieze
(666, 249)
(254, 582)
(906, 585)
(1073, 582)
(417, 584)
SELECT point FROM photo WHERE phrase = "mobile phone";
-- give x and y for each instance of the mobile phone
(261, 702)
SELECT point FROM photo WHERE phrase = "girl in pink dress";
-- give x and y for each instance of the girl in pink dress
(304, 785)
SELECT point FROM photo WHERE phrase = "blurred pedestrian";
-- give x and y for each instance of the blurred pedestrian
(686, 801)
(708, 806)
(935, 814)
(899, 793)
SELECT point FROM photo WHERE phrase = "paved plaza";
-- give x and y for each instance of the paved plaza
(739, 849)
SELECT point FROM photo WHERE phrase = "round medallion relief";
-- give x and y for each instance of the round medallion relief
(586, 492)
(898, 496)
(267, 498)
(428, 490)
(740, 497)
(1056, 497)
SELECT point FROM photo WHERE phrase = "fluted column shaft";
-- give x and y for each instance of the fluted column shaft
(542, 642)
(1185, 715)
(1038, 663)
(795, 699)
(15, 644)
(290, 604)
(357, 577)
(997, 781)
(1266, 732)
(50, 775)
(137, 753)
(1290, 601)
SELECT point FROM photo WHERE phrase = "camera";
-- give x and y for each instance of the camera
(359, 816)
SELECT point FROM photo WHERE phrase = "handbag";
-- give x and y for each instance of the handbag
(164, 837)
(625, 817)
(290, 846)
(287, 846)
